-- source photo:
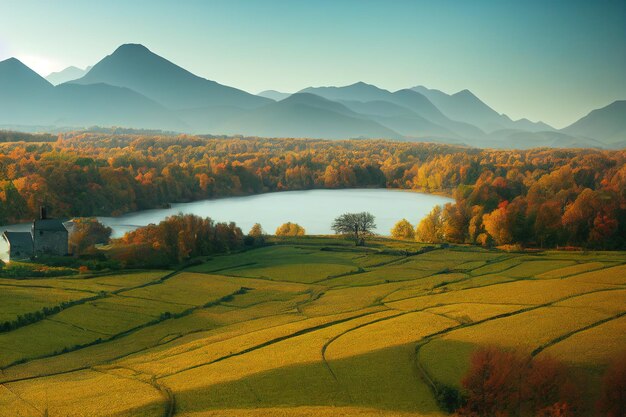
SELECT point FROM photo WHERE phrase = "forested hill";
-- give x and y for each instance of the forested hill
(537, 197)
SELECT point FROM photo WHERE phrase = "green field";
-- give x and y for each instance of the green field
(306, 327)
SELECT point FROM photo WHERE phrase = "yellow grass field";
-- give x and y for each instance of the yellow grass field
(307, 327)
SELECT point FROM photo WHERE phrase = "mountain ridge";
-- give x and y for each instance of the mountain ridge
(134, 87)
(136, 67)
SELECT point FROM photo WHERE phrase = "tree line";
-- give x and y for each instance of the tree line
(537, 197)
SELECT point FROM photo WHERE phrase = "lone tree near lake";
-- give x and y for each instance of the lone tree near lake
(356, 225)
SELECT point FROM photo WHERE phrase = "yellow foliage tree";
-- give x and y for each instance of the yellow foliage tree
(290, 229)
(430, 229)
(256, 231)
(403, 230)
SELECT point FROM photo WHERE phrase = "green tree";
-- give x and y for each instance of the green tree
(356, 225)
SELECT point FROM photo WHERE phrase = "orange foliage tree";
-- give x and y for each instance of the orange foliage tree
(503, 383)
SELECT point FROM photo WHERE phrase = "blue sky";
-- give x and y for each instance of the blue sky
(546, 60)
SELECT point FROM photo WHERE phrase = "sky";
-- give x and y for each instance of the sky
(550, 60)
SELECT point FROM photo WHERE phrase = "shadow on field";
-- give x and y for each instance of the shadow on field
(386, 379)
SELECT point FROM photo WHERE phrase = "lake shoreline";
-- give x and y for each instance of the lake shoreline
(313, 209)
(168, 205)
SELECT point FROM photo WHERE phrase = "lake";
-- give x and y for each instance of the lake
(312, 209)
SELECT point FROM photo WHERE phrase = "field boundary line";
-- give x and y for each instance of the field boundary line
(431, 337)
(576, 331)
(270, 342)
(126, 332)
(19, 397)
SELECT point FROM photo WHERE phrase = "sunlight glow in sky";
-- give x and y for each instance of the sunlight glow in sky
(545, 60)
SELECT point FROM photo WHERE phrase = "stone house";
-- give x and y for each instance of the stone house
(47, 237)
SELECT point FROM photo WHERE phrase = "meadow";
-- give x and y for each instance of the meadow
(304, 326)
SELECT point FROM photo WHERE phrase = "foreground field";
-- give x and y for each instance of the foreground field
(308, 327)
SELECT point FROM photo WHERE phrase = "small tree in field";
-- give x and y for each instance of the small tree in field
(403, 230)
(290, 229)
(356, 225)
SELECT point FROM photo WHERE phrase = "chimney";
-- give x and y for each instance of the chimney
(43, 213)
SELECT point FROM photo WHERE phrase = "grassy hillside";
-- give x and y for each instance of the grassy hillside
(309, 326)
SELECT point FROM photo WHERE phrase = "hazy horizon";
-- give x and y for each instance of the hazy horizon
(553, 62)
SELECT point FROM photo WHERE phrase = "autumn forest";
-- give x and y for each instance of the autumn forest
(534, 198)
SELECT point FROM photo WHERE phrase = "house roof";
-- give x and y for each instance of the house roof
(52, 225)
(18, 238)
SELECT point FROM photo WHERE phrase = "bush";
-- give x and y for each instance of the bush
(449, 398)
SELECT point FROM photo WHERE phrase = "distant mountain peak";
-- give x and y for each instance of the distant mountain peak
(68, 74)
(132, 47)
(14, 63)
(465, 93)
(363, 85)
(274, 95)
(14, 74)
(136, 67)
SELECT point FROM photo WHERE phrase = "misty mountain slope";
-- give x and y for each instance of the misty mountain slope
(607, 124)
(136, 67)
(464, 106)
(415, 126)
(400, 119)
(356, 92)
(423, 107)
(521, 139)
(274, 95)
(306, 115)
(106, 105)
(68, 74)
(16, 78)
(208, 119)
(376, 108)
(409, 99)
(25, 97)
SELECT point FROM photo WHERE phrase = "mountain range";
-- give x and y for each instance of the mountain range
(134, 87)
(68, 74)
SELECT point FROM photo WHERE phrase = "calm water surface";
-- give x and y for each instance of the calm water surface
(314, 210)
